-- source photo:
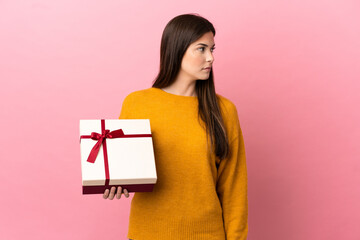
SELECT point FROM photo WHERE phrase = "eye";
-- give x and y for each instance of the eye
(203, 48)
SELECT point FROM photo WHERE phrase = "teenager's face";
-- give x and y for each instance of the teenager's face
(198, 56)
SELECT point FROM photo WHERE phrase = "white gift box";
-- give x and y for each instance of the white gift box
(125, 160)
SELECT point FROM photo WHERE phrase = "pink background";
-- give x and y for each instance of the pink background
(291, 67)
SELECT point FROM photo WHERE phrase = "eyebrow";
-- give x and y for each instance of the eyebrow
(203, 44)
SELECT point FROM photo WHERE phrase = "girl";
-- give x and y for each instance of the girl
(201, 190)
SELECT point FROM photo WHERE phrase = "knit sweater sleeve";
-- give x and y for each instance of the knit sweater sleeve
(232, 182)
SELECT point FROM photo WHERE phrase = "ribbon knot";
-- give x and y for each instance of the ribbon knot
(104, 134)
(97, 136)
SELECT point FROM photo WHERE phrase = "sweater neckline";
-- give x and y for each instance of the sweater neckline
(175, 96)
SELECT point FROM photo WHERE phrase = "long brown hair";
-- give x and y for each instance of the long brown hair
(178, 34)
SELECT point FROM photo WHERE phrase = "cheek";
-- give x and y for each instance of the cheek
(187, 64)
(192, 62)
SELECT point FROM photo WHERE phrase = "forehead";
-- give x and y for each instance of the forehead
(207, 38)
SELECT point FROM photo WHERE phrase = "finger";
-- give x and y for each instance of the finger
(106, 194)
(118, 193)
(126, 193)
(112, 193)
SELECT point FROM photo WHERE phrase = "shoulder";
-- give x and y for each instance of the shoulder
(227, 106)
(138, 95)
(133, 103)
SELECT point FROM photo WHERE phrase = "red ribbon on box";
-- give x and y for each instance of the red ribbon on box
(101, 139)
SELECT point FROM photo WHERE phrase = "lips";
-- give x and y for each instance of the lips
(207, 68)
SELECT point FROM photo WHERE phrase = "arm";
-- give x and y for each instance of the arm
(232, 185)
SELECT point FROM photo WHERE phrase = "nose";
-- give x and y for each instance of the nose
(210, 57)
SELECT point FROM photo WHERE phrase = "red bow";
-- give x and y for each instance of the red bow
(101, 137)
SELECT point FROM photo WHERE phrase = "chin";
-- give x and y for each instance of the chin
(203, 78)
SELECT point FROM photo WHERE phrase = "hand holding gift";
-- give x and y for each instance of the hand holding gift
(112, 193)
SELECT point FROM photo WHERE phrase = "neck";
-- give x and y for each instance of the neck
(181, 89)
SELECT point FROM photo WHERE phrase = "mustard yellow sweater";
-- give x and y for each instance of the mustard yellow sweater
(192, 198)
